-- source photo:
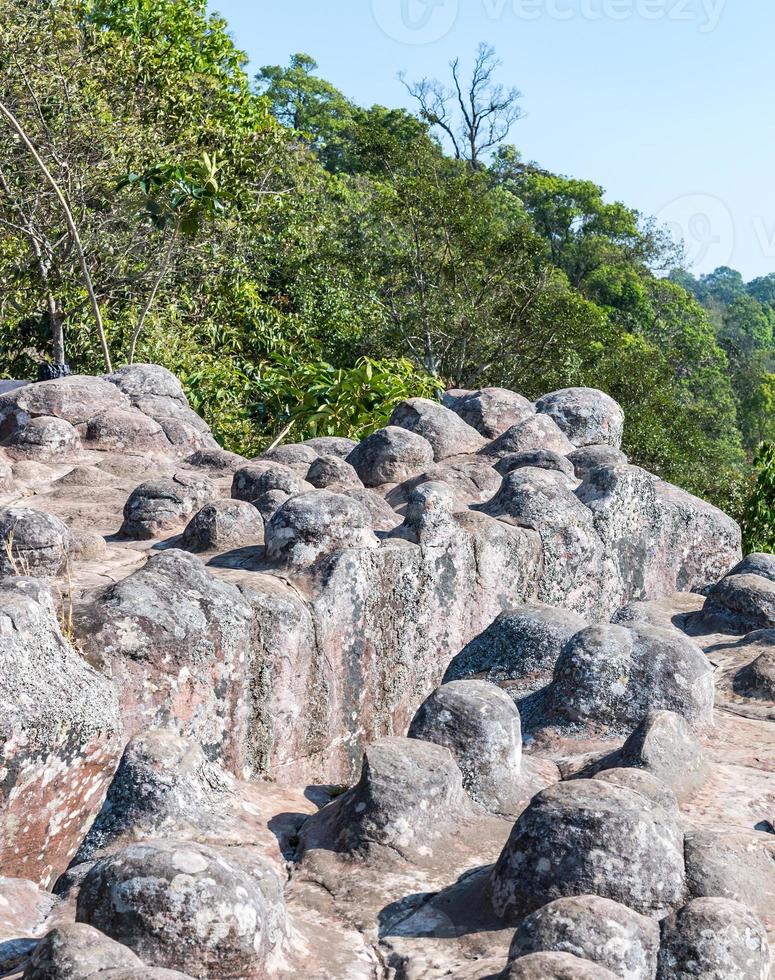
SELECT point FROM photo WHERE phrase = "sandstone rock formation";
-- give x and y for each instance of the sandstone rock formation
(594, 929)
(474, 697)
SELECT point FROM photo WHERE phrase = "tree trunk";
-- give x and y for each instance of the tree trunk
(57, 319)
(165, 264)
(21, 133)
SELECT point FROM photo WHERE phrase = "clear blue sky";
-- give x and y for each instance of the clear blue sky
(668, 104)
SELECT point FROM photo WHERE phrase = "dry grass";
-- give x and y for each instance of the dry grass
(19, 564)
(20, 568)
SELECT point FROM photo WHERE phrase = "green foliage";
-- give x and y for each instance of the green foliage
(318, 399)
(303, 261)
(182, 194)
(759, 516)
(248, 406)
(743, 317)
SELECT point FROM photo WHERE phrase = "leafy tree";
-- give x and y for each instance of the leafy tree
(313, 108)
(724, 285)
(747, 326)
(583, 232)
(103, 89)
(759, 516)
(303, 261)
(763, 289)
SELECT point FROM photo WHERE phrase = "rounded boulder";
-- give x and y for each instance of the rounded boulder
(587, 837)
(480, 725)
(595, 929)
(535, 432)
(519, 649)
(492, 410)
(610, 677)
(186, 906)
(331, 470)
(407, 798)
(447, 433)
(33, 542)
(223, 524)
(555, 966)
(716, 939)
(312, 525)
(588, 417)
(390, 455)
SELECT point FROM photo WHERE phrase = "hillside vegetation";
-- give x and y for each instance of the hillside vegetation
(304, 263)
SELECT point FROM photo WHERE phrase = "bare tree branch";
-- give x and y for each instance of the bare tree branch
(484, 111)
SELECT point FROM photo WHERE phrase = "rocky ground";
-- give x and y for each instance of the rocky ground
(472, 698)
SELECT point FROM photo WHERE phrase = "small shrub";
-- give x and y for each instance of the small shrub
(759, 516)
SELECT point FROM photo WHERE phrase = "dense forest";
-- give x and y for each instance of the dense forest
(303, 262)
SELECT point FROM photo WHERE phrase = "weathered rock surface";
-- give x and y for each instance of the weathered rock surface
(594, 929)
(611, 677)
(295, 455)
(44, 438)
(221, 525)
(447, 433)
(402, 802)
(745, 601)
(181, 905)
(664, 746)
(25, 909)
(333, 470)
(390, 455)
(58, 736)
(471, 479)
(77, 951)
(587, 416)
(714, 938)
(418, 558)
(655, 539)
(533, 433)
(542, 459)
(313, 525)
(734, 864)
(215, 460)
(519, 650)
(117, 429)
(157, 393)
(429, 515)
(554, 966)
(164, 786)
(331, 446)
(588, 837)
(492, 410)
(32, 542)
(263, 476)
(177, 644)
(643, 783)
(481, 727)
(756, 564)
(572, 551)
(757, 680)
(75, 399)
(164, 505)
(587, 458)
(381, 515)
(138, 381)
